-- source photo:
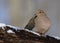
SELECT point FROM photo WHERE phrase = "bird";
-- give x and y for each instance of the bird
(39, 23)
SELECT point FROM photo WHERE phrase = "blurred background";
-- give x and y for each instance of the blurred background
(18, 12)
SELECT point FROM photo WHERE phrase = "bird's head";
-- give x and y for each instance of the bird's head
(40, 13)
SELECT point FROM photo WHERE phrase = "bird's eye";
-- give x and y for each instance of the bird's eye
(40, 12)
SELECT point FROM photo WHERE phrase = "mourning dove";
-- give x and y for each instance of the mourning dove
(39, 23)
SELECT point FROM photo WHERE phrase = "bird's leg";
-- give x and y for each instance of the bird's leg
(41, 34)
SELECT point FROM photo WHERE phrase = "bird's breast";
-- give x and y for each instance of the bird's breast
(42, 23)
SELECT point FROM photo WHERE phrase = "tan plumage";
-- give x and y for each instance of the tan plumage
(39, 22)
(42, 22)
